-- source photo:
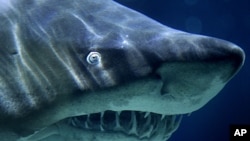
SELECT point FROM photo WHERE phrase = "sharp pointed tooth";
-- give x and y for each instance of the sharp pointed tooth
(102, 114)
(87, 121)
(162, 117)
(148, 120)
(101, 128)
(101, 118)
(117, 120)
(86, 125)
(148, 132)
(101, 121)
(88, 116)
(133, 130)
(147, 123)
(73, 122)
(146, 114)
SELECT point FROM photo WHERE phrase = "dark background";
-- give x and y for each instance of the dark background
(225, 19)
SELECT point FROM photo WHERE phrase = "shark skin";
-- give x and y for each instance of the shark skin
(68, 65)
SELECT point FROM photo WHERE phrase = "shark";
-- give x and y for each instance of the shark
(95, 70)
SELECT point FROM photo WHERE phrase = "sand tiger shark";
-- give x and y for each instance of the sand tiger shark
(94, 70)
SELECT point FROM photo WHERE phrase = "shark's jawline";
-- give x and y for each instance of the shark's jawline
(132, 123)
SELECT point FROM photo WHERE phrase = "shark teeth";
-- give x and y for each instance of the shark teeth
(140, 124)
(146, 114)
(162, 117)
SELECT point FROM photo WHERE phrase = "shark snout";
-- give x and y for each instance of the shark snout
(228, 56)
(214, 49)
(197, 65)
(187, 48)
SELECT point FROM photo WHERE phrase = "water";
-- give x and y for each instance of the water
(225, 19)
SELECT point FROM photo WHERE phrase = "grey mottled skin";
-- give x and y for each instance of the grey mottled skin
(44, 46)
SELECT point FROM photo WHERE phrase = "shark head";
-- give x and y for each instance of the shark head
(101, 71)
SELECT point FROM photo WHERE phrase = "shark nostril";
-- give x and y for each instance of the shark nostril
(156, 76)
(164, 89)
(160, 76)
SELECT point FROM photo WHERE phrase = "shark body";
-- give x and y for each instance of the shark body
(102, 71)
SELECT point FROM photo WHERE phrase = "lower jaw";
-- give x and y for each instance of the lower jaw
(142, 125)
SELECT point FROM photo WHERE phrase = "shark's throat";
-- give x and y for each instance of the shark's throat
(132, 123)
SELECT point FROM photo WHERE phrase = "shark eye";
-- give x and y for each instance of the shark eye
(93, 58)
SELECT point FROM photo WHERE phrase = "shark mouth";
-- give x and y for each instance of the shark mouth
(132, 123)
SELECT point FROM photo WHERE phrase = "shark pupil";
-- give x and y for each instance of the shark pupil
(93, 58)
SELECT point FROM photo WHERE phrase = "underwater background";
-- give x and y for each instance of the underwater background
(224, 19)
